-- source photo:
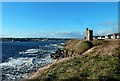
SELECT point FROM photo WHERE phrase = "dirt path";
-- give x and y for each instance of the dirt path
(88, 51)
(41, 70)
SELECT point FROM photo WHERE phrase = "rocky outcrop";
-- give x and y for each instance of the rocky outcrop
(72, 48)
(58, 54)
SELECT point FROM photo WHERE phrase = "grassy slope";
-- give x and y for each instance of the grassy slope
(101, 63)
(78, 46)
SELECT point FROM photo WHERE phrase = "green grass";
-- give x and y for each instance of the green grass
(94, 65)
(78, 46)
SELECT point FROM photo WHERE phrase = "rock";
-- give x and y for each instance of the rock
(58, 54)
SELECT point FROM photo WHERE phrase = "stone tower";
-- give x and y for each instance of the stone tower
(89, 34)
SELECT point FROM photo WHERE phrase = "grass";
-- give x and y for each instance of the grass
(77, 46)
(101, 64)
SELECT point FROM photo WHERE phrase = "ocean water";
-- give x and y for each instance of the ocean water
(20, 58)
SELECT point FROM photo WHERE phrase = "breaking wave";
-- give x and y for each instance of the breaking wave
(18, 67)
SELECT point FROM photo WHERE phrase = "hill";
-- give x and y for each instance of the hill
(97, 59)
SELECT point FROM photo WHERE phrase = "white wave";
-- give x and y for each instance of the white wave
(18, 68)
(55, 45)
(14, 62)
(61, 45)
(31, 51)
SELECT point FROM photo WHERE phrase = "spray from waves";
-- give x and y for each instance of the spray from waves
(18, 68)
(29, 60)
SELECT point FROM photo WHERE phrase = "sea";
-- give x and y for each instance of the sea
(21, 58)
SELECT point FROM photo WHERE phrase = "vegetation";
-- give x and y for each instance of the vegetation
(78, 46)
(102, 63)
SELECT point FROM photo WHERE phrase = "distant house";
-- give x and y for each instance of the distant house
(95, 37)
(98, 37)
(102, 37)
(110, 36)
(107, 36)
(113, 36)
(117, 35)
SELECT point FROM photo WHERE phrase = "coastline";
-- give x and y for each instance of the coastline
(37, 73)
(21, 66)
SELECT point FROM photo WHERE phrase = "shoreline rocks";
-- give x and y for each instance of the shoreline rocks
(58, 54)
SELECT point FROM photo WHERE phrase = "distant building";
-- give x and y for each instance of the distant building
(102, 37)
(117, 35)
(98, 37)
(113, 36)
(107, 37)
(89, 34)
(110, 36)
(95, 37)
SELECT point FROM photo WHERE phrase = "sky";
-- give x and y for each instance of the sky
(58, 19)
(60, 0)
